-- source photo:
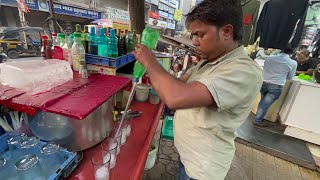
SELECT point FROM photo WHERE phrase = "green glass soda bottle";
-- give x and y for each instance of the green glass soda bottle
(149, 38)
(78, 28)
(85, 38)
(112, 44)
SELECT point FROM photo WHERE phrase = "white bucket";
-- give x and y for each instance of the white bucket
(151, 159)
(142, 93)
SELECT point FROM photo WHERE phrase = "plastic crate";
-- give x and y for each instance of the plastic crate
(167, 128)
(131, 57)
(62, 172)
(110, 62)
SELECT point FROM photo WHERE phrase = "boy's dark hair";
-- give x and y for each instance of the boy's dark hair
(287, 49)
(218, 13)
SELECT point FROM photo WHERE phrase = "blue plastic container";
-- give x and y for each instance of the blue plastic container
(110, 62)
(62, 172)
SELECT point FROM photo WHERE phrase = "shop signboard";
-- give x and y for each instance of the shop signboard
(40, 5)
(117, 14)
(164, 1)
(171, 3)
(171, 26)
(162, 24)
(155, 2)
(73, 11)
(153, 15)
(43, 6)
(31, 4)
(153, 22)
(158, 23)
(124, 25)
(177, 15)
(163, 14)
(170, 16)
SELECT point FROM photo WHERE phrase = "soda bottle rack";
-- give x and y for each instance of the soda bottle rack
(110, 62)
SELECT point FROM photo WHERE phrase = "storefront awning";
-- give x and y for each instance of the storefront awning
(38, 5)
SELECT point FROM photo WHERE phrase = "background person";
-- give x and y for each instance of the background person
(306, 64)
(276, 71)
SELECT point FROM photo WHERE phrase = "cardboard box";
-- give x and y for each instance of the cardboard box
(101, 69)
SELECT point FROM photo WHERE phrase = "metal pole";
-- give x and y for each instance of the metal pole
(53, 17)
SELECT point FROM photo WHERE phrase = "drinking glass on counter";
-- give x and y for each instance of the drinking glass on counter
(109, 146)
(123, 129)
(118, 139)
(101, 165)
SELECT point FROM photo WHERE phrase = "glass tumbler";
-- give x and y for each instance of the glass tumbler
(29, 145)
(14, 144)
(109, 146)
(123, 130)
(101, 165)
(28, 168)
(118, 139)
(50, 158)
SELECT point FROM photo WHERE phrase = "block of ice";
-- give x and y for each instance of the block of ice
(35, 76)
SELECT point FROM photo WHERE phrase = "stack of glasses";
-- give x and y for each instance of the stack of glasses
(104, 160)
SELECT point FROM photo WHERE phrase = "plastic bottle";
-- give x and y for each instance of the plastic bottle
(107, 30)
(46, 51)
(118, 33)
(93, 46)
(135, 39)
(129, 42)
(62, 39)
(71, 40)
(57, 50)
(102, 44)
(149, 38)
(54, 39)
(77, 52)
(85, 38)
(67, 50)
(122, 44)
(113, 44)
(78, 29)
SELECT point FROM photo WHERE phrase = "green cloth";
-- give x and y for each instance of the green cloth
(250, 9)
